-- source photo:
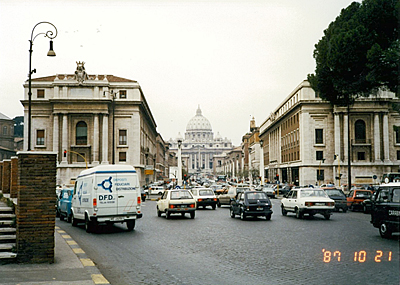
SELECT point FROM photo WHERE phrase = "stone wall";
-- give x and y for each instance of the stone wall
(35, 207)
(14, 177)
(5, 187)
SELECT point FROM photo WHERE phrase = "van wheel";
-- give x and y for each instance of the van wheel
(384, 231)
(88, 225)
(130, 224)
(74, 221)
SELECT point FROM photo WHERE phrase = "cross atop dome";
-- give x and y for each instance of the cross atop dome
(198, 112)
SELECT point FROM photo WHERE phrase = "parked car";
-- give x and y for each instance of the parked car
(251, 203)
(355, 198)
(204, 197)
(385, 210)
(177, 201)
(282, 190)
(225, 199)
(64, 204)
(339, 197)
(309, 201)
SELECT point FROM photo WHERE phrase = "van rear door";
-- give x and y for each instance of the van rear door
(107, 198)
(128, 192)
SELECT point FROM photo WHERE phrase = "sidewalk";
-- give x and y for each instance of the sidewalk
(71, 267)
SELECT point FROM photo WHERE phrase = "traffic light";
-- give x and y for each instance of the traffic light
(65, 153)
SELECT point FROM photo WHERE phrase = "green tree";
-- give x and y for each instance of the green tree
(359, 53)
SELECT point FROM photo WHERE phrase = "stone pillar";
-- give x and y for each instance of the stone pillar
(55, 133)
(104, 159)
(1, 175)
(14, 177)
(35, 209)
(6, 176)
(96, 137)
(385, 137)
(65, 138)
(377, 138)
(337, 135)
(345, 122)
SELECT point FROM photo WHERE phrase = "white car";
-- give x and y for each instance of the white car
(269, 190)
(156, 190)
(309, 201)
(204, 197)
(177, 201)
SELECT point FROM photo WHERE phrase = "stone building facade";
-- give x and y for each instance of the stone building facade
(305, 139)
(7, 149)
(199, 146)
(89, 120)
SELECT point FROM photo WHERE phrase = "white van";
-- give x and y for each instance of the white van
(107, 194)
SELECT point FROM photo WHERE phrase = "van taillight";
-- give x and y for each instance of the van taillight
(94, 202)
(139, 200)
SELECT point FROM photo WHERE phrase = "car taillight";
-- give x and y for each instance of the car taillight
(94, 202)
(139, 200)
(215, 199)
(200, 200)
(192, 206)
(308, 204)
(171, 206)
(330, 203)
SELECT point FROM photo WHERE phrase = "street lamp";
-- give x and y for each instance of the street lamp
(179, 162)
(51, 52)
(262, 162)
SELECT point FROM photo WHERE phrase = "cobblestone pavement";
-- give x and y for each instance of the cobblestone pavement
(216, 249)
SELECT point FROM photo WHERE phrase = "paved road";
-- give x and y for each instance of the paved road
(216, 249)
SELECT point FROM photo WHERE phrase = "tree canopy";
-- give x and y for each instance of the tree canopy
(359, 53)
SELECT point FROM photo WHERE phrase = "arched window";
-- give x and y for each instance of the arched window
(81, 133)
(359, 131)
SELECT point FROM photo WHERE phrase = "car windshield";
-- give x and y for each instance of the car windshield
(313, 193)
(256, 196)
(334, 192)
(181, 194)
(363, 194)
(206, 192)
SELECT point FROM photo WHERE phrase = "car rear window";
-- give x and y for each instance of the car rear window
(313, 193)
(183, 194)
(256, 196)
(335, 193)
(363, 194)
(205, 192)
(396, 195)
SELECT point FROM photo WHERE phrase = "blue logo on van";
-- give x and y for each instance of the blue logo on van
(106, 184)
(80, 194)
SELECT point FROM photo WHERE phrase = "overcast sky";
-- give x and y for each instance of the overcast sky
(236, 59)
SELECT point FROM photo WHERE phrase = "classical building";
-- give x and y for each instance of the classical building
(92, 119)
(7, 149)
(305, 139)
(199, 145)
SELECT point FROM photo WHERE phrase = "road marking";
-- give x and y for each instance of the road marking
(78, 250)
(66, 236)
(71, 242)
(99, 279)
(87, 262)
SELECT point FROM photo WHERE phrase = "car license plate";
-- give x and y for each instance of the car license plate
(117, 219)
(319, 204)
(260, 208)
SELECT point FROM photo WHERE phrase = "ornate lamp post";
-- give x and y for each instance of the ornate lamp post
(179, 162)
(51, 52)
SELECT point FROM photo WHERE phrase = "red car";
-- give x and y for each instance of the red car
(356, 197)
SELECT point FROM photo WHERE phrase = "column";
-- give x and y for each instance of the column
(104, 159)
(55, 133)
(65, 137)
(385, 137)
(337, 134)
(345, 137)
(96, 137)
(377, 138)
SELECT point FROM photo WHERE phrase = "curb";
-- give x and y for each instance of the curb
(89, 265)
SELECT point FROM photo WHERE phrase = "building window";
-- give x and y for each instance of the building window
(319, 136)
(39, 137)
(320, 155)
(398, 155)
(359, 131)
(81, 133)
(122, 94)
(320, 175)
(361, 155)
(5, 130)
(40, 93)
(123, 137)
(397, 134)
(122, 157)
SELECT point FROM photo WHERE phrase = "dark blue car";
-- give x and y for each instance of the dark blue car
(64, 204)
